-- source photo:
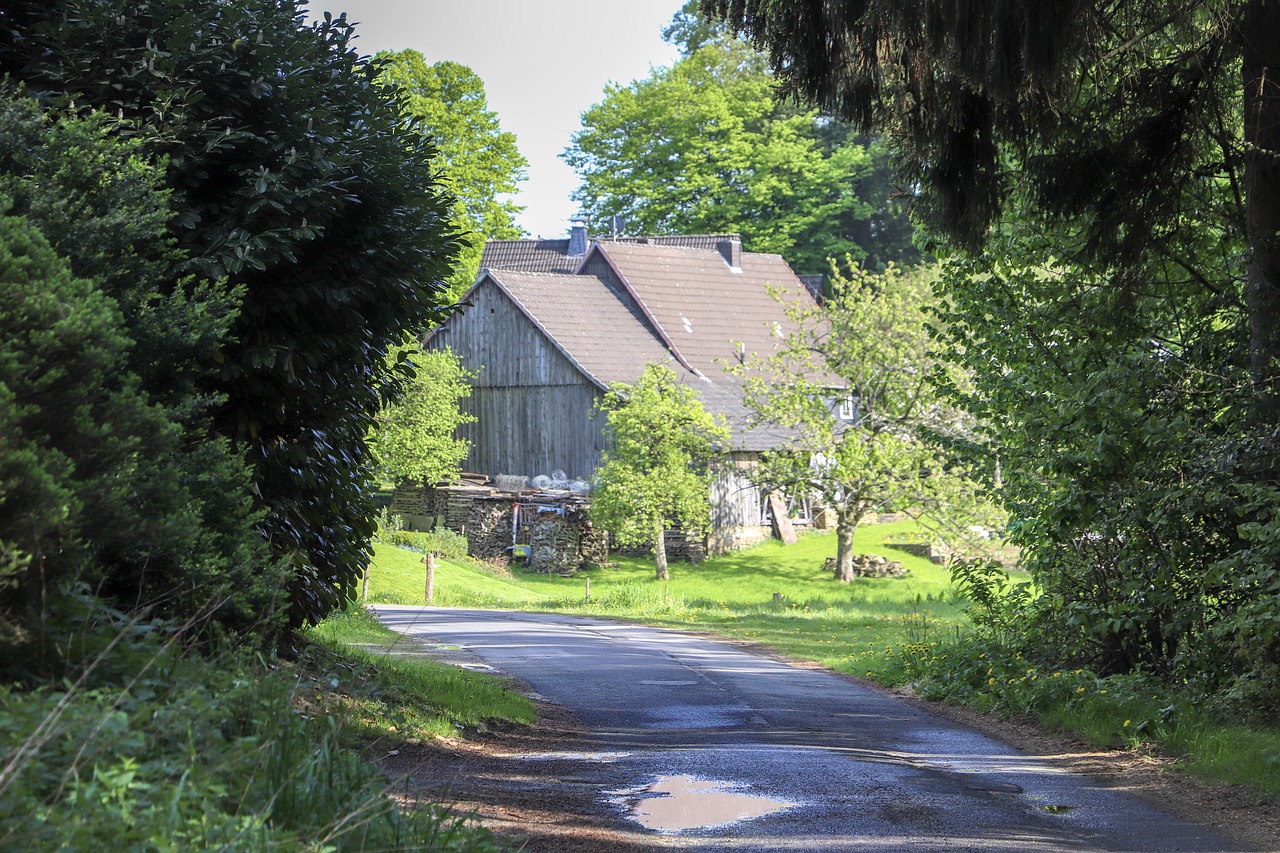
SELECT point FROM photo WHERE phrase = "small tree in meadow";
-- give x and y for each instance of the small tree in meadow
(657, 473)
(852, 384)
(414, 437)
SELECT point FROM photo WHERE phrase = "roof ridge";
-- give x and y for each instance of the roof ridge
(518, 271)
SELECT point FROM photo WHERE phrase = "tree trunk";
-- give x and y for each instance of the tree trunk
(660, 554)
(846, 524)
(1260, 39)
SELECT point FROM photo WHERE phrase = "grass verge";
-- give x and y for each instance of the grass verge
(149, 746)
(370, 679)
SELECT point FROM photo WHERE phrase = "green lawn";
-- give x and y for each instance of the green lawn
(847, 627)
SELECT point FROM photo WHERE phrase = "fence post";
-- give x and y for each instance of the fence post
(430, 560)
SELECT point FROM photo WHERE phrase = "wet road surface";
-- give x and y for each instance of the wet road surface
(712, 748)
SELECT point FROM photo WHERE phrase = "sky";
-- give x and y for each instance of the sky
(543, 63)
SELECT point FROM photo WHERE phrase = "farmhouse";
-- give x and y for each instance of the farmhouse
(552, 323)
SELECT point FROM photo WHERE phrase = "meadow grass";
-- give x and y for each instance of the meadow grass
(397, 576)
(848, 627)
(378, 684)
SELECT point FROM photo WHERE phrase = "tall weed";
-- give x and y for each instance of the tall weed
(186, 752)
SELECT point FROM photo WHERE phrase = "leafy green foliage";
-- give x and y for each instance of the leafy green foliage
(478, 162)
(442, 542)
(657, 470)
(152, 749)
(866, 350)
(414, 436)
(704, 146)
(1130, 468)
(107, 438)
(1109, 173)
(315, 202)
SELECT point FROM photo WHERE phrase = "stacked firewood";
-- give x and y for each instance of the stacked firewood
(488, 526)
(685, 547)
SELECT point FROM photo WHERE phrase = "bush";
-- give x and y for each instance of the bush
(440, 542)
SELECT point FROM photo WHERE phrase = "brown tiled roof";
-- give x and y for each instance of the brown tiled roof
(700, 306)
(703, 309)
(553, 255)
(690, 241)
(596, 331)
(528, 255)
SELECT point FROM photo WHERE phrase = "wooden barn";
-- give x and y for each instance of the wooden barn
(552, 323)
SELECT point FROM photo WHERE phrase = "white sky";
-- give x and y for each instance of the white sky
(543, 63)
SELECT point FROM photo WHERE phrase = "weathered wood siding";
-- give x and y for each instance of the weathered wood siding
(533, 407)
(534, 430)
(736, 519)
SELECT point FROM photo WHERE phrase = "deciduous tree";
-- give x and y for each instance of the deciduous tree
(414, 438)
(657, 470)
(478, 161)
(851, 383)
(704, 147)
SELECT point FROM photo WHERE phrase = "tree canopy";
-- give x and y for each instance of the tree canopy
(851, 384)
(657, 470)
(477, 161)
(414, 438)
(313, 205)
(1129, 126)
(1108, 176)
(705, 146)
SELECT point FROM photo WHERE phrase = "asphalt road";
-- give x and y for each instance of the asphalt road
(695, 735)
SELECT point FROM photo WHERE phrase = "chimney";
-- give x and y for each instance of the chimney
(731, 251)
(578, 236)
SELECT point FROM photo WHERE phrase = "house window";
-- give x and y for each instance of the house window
(848, 409)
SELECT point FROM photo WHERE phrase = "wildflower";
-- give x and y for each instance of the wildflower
(1079, 689)
(1126, 723)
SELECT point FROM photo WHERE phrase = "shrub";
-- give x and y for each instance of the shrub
(440, 542)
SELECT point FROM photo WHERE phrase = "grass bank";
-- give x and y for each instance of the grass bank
(147, 745)
(911, 630)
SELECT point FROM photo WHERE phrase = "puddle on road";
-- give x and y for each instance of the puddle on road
(675, 803)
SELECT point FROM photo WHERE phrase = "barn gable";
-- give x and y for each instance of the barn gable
(548, 338)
